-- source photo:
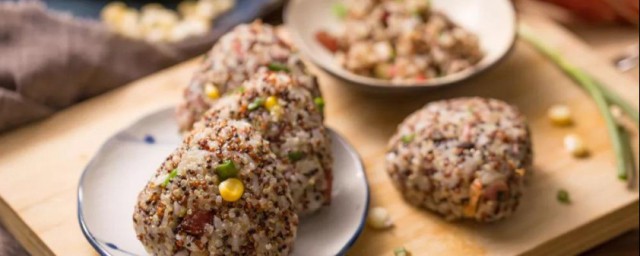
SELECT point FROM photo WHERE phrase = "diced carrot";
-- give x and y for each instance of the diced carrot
(328, 41)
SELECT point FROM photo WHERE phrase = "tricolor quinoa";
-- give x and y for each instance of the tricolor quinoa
(462, 158)
(235, 58)
(401, 41)
(290, 119)
(181, 210)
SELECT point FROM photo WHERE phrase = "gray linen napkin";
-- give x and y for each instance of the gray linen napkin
(49, 61)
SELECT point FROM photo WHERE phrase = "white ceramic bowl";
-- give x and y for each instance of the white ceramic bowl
(111, 182)
(494, 21)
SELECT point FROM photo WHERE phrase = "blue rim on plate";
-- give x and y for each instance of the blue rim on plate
(101, 246)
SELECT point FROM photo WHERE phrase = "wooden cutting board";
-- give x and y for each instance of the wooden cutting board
(40, 164)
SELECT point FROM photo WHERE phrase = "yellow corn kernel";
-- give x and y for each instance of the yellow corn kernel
(560, 115)
(211, 91)
(187, 8)
(379, 218)
(575, 146)
(112, 12)
(231, 189)
(271, 102)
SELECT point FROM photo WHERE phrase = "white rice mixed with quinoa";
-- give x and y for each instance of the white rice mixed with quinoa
(400, 40)
(462, 158)
(182, 211)
(235, 58)
(290, 118)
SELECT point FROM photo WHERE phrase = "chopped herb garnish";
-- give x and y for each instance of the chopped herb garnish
(172, 175)
(227, 170)
(240, 89)
(295, 156)
(258, 102)
(340, 10)
(277, 66)
(319, 101)
(401, 251)
(563, 196)
(408, 138)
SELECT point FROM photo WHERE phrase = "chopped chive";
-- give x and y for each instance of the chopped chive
(319, 101)
(563, 196)
(277, 66)
(172, 175)
(258, 102)
(295, 156)
(401, 251)
(240, 89)
(340, 10)
(226, 170)
(408, 138)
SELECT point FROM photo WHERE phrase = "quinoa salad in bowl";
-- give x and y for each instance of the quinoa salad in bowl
(402, 45)
(400, 41)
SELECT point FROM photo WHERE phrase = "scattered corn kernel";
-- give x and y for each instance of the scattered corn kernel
(187, 8)
(156, 34)
(112, 12)
(271, 102)
(231, 189)
(156, 23)
(211, 91)
(560, 115)
(128, 24)
(158, 16)
(206, 9)
(574, 145)
(379, 218)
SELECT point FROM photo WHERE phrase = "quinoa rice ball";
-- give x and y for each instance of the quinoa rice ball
(236, 57)
(220, 193)
(290, 118)
(464, 158)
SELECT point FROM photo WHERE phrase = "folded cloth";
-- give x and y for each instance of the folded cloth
(49, 60)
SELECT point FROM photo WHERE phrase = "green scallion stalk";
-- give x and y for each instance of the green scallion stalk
(591, 87)
(618, 101)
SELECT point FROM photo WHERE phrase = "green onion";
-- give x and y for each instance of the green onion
(227, 170)
(240, 89)
(401, 251)
(319, 101)
(277, 66)
(563, 196)
(600, 95)
(172, 175)
(340, 10)
(258, 102)
(629, 157)
(295, 156)
(408, 138)
(618, 101)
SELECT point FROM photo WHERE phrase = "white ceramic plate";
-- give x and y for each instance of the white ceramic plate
(110, 184)
(494, 21)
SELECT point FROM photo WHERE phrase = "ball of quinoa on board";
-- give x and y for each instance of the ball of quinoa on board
(236, 57)
(186, 208)
(464, 158)
(290, 118)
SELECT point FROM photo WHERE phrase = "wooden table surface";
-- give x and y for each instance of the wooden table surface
(53, 231)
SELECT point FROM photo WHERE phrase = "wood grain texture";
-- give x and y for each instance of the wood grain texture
(40, 165)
